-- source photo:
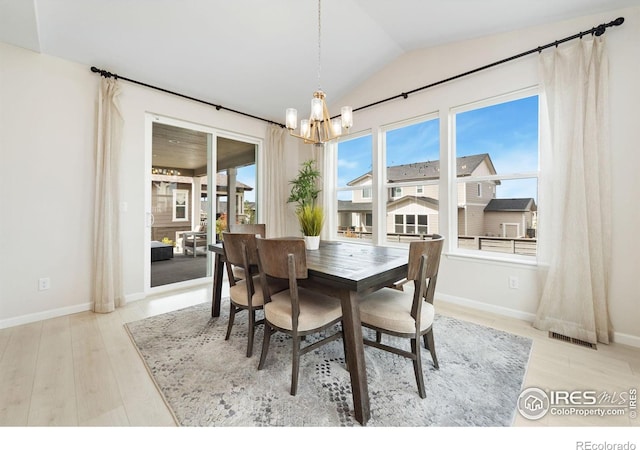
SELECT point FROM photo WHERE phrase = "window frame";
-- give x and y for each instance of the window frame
(174, 205)
(453, 248)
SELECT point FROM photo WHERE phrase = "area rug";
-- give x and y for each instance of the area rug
(208, 381)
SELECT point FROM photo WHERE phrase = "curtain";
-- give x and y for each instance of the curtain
(107, 264)
(575, 192)
(275, 182)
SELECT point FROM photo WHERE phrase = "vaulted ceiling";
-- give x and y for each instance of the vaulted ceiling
(260, 56)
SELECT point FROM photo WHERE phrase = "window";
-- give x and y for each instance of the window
(180, 205)
(412, 152)
(396, 192)
(423, 224)
(496, 148)
(354, 189)
(368, 220)
(399, 220)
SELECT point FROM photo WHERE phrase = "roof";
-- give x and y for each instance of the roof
(349, 206)
(511, 204)
(424, 201)
(430, 170)
(221, 181)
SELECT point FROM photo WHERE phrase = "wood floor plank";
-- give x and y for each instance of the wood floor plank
(110, 386)
(141, 398)
(98, 397)
(53, 400)
(17, 369)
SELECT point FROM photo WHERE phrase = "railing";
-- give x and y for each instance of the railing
(518, 246)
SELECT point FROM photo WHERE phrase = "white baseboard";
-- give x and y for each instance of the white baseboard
(473, 304)
(44, 315)
(626, 339)
(619, 338)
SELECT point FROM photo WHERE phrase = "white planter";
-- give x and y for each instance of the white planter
(312, 242)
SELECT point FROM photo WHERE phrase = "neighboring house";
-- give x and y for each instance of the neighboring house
(173, 197)
(415, 209)
(510, 217)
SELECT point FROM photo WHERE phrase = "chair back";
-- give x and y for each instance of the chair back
(273, 256)
(431, 248)
(240, 249)
(254, 228)
(424, 263)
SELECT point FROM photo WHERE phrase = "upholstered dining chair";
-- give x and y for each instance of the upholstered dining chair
(259, 229)
(245, 294)
(398, 313)
(296, 311)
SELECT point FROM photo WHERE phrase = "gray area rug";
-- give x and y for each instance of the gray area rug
(208, 381)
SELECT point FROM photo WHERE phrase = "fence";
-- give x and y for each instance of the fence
(518, 246)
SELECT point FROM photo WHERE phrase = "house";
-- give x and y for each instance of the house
(413, 210)
(173, 196)
(48, 104)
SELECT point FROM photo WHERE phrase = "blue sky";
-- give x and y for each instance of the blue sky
(508, 132)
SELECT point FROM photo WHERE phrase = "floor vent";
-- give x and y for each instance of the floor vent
(560, 337)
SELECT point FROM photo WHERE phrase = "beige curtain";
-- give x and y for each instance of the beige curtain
(276, 182)
(107, 265)
(575, 224)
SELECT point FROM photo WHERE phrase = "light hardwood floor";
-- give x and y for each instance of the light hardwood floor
(82, 369)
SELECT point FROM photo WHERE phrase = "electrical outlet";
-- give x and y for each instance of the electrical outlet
(44, 284)
(514, 283)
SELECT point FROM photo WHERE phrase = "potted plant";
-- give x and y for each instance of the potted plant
(304, 192)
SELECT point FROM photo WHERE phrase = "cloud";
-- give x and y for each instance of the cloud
(344, 164)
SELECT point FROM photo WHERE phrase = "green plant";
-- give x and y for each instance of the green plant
(311, 219)
(304, 192)
(304, 189)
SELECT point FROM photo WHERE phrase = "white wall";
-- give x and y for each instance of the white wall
(48, 109)
(47, 141)
(487, 282)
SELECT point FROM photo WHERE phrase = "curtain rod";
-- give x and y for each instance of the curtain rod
(597, 31)
(107, 74)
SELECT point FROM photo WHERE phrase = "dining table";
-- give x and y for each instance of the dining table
(347, 271)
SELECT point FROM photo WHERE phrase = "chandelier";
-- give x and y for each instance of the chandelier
(320, 127)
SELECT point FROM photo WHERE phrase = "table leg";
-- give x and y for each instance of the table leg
(216, 292)
(355, 355)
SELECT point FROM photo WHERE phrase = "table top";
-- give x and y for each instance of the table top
(357, 267)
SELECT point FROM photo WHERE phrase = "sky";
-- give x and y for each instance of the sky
(508, 132)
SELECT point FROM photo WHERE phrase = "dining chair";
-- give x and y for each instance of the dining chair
(259, 229)
(398, 313)
(297, 311)
(247, 293)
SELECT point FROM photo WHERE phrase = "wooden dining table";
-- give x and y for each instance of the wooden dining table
(345, 270)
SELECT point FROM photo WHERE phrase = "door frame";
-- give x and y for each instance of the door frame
(150, 119)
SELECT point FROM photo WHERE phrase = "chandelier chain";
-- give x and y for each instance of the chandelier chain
(319, 44)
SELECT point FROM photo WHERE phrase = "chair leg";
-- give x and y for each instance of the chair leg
(417, 367)
(344, 348)
(252, 326)
(265, 345)
(295, 365)
(232, 317)
(431, 346)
